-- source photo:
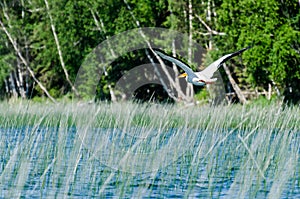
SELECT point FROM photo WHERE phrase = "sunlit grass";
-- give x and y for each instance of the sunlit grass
(134, 150)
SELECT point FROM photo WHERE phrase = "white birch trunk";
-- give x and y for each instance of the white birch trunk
(190, 88)
(167, 74)
(20, 80)
(102, 29)
(59, 50)
(6, 87)
(25, 62)
(13, 85)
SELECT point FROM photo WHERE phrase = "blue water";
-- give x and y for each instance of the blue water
(53, 162)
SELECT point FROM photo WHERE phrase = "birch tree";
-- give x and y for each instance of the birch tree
(14, 78)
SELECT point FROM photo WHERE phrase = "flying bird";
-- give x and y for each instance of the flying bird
(204, 77)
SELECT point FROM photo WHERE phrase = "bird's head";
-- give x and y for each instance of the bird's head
(182, 75)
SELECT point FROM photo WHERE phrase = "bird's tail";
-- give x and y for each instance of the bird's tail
(211, 81)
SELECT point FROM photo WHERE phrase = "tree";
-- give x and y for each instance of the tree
(272, 27)
(50, 40)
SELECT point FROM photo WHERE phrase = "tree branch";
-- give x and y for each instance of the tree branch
(25, 62)
(170, 79)
(210, 31)
(59, 50)
(234, 85)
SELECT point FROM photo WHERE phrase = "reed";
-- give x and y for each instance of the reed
(134, 150)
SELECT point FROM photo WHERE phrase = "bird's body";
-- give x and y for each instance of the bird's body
(204, 77)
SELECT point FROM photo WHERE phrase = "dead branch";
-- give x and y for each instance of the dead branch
(235, 86)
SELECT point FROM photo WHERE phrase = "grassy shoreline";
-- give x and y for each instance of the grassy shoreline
(118, 115)
(134, 150)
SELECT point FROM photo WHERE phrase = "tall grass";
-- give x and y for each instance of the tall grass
(134, 150)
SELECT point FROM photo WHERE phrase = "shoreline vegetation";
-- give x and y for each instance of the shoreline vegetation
(120, 114)
(145, 150)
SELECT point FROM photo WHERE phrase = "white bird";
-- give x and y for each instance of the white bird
(204, 77)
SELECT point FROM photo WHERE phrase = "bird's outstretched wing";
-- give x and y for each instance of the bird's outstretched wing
(179, 63)
(209, 71)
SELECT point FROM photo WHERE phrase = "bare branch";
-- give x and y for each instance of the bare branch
(36, 10)
(210, 31)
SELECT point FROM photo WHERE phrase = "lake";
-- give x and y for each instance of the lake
(141, 162)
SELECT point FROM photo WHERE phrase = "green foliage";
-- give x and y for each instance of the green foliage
(263, 102)
(202, 95)
(272, 28)
(7, 59)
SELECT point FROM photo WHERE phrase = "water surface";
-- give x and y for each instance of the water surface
(132, 162)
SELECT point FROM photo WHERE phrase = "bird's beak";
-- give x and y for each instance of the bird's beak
(182, 75)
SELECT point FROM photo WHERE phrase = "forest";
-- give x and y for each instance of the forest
(44, 43)
(91, 108)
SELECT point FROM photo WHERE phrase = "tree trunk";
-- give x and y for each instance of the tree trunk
(13, 85)
(171, 81)
(190, 88)
(235, 86)
(19, 74)
(59, 50)
(102, 29)
(18, 52)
